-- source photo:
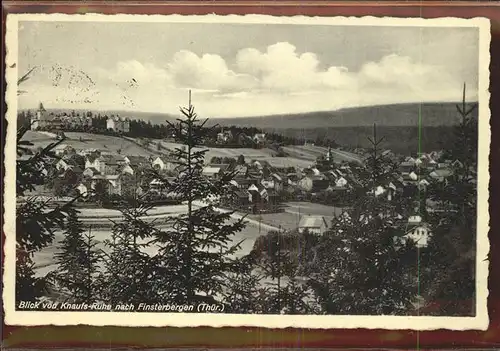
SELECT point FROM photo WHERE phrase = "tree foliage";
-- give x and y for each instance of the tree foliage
(77, 262)
(448, 273)
(196, 252)
(361, 267)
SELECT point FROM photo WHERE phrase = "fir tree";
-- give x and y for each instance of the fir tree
(129, 273)
(448, 273)
(36, 221)
(361, 267)
(78, 261)
(196, 253)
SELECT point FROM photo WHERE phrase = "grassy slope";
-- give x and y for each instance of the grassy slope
(90, 141)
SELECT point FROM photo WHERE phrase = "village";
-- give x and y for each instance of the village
(267, 190)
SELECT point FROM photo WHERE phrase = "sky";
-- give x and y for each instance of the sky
(242, 69)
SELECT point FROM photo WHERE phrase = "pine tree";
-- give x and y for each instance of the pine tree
(129, 272)
(196, 253)
(78, 261)
(36, 221)
(360, 267)
(448, 274)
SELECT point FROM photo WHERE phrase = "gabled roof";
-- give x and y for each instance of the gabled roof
(438, 173)
(93, 170)
(137, 160)
(112, 159)
(211, 170)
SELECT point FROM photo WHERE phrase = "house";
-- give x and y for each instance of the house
(104, 164)
(267, 183)
(423, 184)
(63, 149)
(387, 153)
(82, 189)
(419, 233)
(242, 198)
(159, 185)
(278, 182)
(410, 177)
(64, 164)
(118, 124)
(407, 166)
(258, 196)
(313, 224)
(115, 184)
(110, 164)
(260, 164)
(441, 174)
(341, 182)
(90, 172)
(259, 138)
(127, 169)
(312, 172)
(379, 190)
(112, 183)
(313, 184)
(164, 163)
(215, 170)
(240, 171)
(135, 161)
(224, 136)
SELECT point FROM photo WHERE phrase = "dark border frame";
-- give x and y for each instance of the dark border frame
(223, 338)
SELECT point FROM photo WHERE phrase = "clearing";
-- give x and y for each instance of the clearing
(106, 143)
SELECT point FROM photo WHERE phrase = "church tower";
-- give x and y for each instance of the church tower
(39, 119)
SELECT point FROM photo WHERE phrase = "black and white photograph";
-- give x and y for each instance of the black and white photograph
(247, 171)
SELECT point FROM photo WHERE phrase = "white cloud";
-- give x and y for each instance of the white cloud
(281, 68)
(278, 80)
(209, 72)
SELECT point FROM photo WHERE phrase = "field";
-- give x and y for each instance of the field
(44, 259)
(253, 154)
(106, 143)
(294, 211)
(311, 152)
(298, 156)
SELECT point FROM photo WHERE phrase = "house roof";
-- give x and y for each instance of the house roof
(242, 193)
(211, 170)
(220, 166)
(441, 173)
(75, 169)
(241, 170)
(112, 159)
(407, 164)
(277, 177)
(137, 160)
(93, 170)
(312, 222)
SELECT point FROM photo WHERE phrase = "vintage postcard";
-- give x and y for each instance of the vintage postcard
(247, 171)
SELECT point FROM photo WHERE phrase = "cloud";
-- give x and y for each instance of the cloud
(208, 72)
(279, 79)
(282, 68)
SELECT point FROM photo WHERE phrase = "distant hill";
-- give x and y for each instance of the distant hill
(432, 114)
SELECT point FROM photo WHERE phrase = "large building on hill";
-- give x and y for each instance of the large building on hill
(41, 119)
(44, 120)
(118, 124)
